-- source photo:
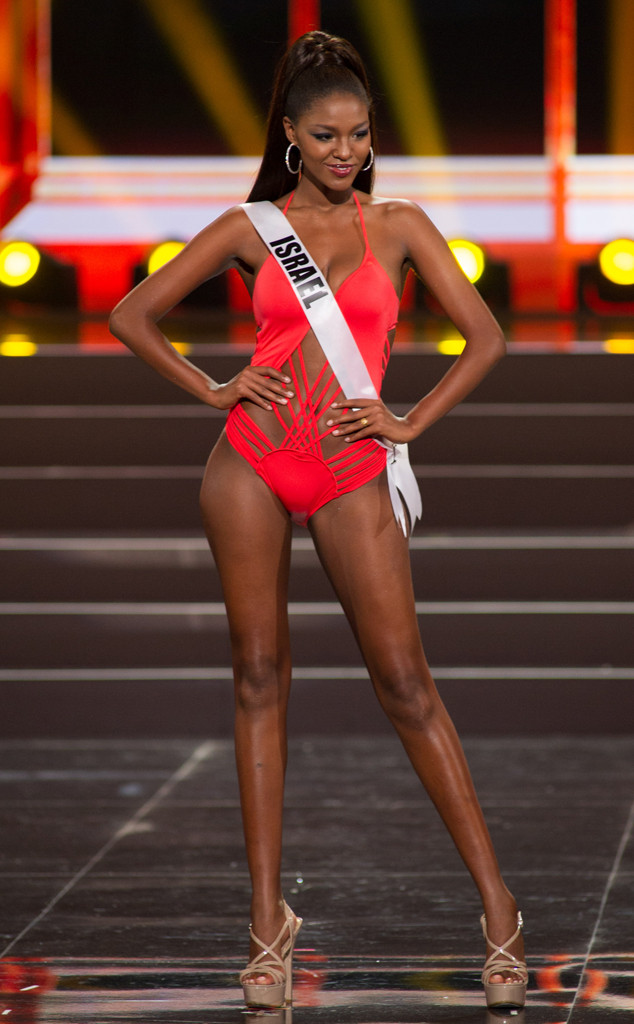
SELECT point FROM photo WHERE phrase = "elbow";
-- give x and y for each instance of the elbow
(497, 347)
(113, 326)
(501, 348)
(116, 323)
(488, 349)
(123, 323)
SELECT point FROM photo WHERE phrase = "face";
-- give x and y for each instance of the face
(333, 136)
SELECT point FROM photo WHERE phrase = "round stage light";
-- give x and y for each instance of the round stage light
(17, 345)
(616, 261)
(18, 263)
(163, 253)
(470, 257)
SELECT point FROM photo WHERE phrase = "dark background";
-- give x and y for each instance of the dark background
(485, 58)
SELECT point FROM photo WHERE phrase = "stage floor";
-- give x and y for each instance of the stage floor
(124, 889)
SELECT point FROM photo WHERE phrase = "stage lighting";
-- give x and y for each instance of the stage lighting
(490, 278)
(606, 286)
(470, 257)
(616, 261)
(163, 253)
(19, 345)
(451, 346)
(19, 262)
(619, 346)
(29, 277)
(210, 294)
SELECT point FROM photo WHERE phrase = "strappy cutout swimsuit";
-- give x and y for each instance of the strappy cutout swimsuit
(298, 458)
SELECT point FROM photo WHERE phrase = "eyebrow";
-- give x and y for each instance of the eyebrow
(330, 127)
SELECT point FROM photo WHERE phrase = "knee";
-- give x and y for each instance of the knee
(408, 695)
(259, 683)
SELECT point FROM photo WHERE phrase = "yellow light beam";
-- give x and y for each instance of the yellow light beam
(204, 59)
(399, 53)
(621, 80)
(69, 135)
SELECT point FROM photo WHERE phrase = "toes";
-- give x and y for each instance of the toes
(260, 979)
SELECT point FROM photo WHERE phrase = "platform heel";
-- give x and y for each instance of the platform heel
(500, 961)
(279, 966)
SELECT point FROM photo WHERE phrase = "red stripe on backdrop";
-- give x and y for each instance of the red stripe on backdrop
(20, 100)
(303, 16)
(560, 117)
(560, 86)
(104, 272)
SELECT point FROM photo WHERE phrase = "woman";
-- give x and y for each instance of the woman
(298, 447)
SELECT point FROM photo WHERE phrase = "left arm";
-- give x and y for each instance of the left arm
(425, 249)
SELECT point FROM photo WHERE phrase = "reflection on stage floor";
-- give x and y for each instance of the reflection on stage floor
(125, 896)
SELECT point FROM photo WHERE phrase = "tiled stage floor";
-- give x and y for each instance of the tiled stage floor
(124, 892)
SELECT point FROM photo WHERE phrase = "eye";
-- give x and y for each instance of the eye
(363, 133)
(322, 137)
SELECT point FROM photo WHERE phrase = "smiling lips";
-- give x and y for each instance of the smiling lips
(341, 170)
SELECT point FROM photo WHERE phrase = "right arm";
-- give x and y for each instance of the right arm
(134, 321)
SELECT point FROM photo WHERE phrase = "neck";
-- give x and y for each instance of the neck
(314, 193)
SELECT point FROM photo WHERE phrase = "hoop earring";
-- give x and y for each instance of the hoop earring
(368, 165)
(287, 161)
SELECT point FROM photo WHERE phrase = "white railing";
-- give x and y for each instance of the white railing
(490, 199)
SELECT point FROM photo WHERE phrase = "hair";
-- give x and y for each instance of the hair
(315, 66)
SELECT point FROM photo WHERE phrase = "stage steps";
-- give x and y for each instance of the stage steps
(99, 442)
(111, 619)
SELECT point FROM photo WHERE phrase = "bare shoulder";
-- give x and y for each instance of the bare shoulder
(231, 235)
(400, 227)
(233, 222)
(400, 214)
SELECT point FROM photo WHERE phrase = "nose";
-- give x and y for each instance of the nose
(343, 149)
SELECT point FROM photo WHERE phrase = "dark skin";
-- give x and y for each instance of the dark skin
(358, 541)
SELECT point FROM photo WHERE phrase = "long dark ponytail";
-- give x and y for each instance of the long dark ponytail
(315, 66)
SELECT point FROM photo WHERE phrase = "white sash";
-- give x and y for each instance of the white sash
(337, 341)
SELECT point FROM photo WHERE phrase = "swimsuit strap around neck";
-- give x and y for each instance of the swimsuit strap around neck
(361, 218)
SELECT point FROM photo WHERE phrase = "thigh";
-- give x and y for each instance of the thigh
(249, 534)
(366, 557)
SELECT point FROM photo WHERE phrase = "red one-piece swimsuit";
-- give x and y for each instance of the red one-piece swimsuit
(291, 447)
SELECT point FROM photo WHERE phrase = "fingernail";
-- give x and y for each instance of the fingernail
(336, 432)
(329, 423)
(287, 380)
(282, 401)
(290, 394)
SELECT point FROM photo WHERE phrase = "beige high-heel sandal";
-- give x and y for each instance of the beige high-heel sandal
(279, 966)
(500, 961)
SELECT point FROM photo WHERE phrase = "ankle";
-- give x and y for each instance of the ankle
(501, 914)
(499, 902)
(267, 917)
(267, 906)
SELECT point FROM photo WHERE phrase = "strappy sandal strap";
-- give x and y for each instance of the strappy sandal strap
(501, 961)
(268, 961)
